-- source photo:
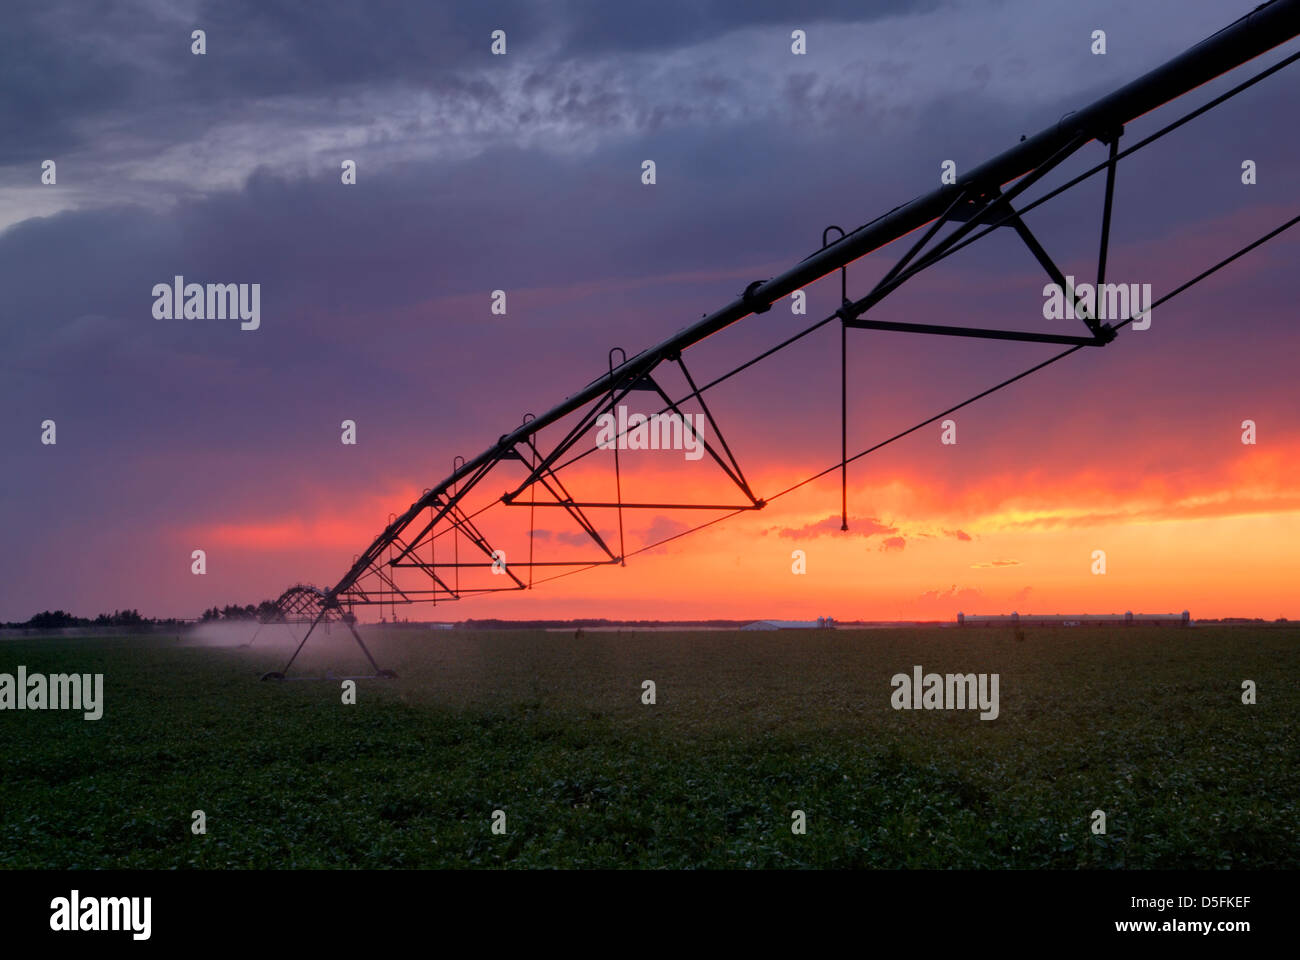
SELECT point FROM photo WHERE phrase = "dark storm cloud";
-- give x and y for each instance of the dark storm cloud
(50, 75)
(64, 63)
(322, 44)
(599, 27)
(61, 63)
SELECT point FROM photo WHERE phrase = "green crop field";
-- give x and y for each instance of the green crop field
(1145, 724)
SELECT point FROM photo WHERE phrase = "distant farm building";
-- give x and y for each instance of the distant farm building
(821, 623)
(1076, 619)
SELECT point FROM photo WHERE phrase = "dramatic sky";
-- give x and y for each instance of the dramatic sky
(522, 172)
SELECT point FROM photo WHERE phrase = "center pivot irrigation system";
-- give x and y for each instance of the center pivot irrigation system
(403, 566)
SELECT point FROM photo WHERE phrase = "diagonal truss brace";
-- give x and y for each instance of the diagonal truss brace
(995, 207)
(973, 207)
(726, 460)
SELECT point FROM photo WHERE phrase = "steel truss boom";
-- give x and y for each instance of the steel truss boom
(976, 202)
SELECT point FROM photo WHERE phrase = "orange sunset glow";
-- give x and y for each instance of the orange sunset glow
(919, 546)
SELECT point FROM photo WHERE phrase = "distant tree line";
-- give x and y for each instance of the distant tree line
(266, 610)
(61, 619)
